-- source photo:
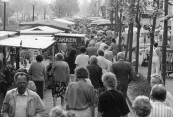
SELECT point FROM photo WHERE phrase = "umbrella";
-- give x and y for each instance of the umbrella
(50, 23)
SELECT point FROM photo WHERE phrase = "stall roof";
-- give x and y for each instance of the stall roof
(40, 30)
(50, 23)
(64, 21)
(28, 42)
(70, 35)
(6, 33)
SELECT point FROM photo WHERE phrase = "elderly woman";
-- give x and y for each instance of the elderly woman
(37, 71)
(112, 102)
(157, 79)
(80, 95)
(95, 72)
(142, 106)
(61, 73)
(158, 95)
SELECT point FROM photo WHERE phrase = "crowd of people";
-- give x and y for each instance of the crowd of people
(94, 80)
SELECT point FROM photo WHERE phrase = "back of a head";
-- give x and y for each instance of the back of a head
(142, 106)
(105, 47)
(158, 92)
(39, 58)
(82, 49)
(72, 52)
(120, 55)
(100, 52)
(59, 56)
(113, 40)
(81, 72)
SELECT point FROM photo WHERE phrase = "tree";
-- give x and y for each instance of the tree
(62, 9)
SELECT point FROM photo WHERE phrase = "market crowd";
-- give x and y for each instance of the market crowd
(94, 80)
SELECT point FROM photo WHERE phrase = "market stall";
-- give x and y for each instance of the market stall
(66, 41)
(33, 45)
(40, 30)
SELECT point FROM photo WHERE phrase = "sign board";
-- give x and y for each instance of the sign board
(67, 39)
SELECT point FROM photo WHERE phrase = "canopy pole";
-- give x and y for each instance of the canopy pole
(17, 57)
(53, 54)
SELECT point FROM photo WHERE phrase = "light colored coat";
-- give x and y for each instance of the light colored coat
(35, 106)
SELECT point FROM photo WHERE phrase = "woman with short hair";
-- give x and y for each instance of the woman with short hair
(142, 106)
(157, 79)
(80, 95)
(112, 102)
(37, 71)
(61, 73)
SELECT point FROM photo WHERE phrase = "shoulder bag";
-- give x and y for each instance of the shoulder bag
(118, 110)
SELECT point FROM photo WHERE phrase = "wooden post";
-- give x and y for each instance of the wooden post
(17, 58)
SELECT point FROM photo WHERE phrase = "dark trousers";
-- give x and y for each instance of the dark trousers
(39, 85)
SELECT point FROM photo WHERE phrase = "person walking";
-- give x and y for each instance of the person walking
(80, 95)
(71, 62)
(158, 95)
(108, 54)
(95, 73)
(37, 71)
(82, 59)
(114, 49)
(61, 73)
(156, 60)
(111, 102)
(21, 101)
(124, 73)
(102, 62)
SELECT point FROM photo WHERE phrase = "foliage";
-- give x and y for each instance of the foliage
(62, 9)
(6, 78)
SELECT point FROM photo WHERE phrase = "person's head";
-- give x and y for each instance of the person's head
(109, 80)
(155, 44)
(39, 58)
(142, 106)
(93, 59)
(156, 79)
(59, 57)
(100, 52)
(158, 93)
(81, 72)
(120, 55)
(21, 79)
(82, 49)
(105, 47)
(113, 40)
(72, 52)
(59, 112)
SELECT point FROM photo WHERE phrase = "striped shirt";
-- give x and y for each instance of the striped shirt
(161, 110)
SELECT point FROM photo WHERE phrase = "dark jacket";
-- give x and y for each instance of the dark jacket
(71, 62)
(123, 70)
(95, 75)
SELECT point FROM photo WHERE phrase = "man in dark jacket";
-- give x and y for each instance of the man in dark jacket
(124, 73)
(95, 73)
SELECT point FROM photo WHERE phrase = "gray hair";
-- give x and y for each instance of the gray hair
(110, 79)
(81, 72)
(142, 106)
(120, 55)
(93, 59)
(59, 56)
(157, 76)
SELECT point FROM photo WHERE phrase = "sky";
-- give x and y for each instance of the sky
(49, 1)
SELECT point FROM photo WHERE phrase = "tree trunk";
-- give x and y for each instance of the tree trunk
(131, 42)
(111, 20)
(151, 46)
(138, 35)
(120, 25)
(115, 28)
(165, 36)
(127, 45)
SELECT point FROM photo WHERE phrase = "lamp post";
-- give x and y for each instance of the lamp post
(34, 3)
(4, 1)
(3, 49)
(44, 13)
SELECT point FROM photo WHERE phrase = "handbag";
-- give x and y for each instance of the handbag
(51, 84)
(118, 110)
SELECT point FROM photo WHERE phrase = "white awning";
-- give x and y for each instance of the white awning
(65, 21)
(28, 42)
(70, 35)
